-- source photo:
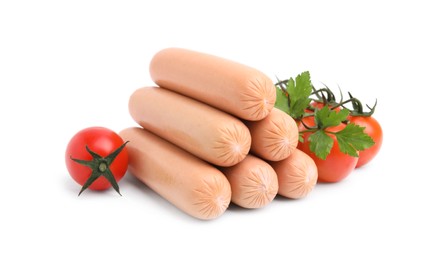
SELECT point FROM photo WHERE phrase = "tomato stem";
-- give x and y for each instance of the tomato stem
(329, 98)
(322, 98)
(357, 107)
(100, 167)
(281, 84)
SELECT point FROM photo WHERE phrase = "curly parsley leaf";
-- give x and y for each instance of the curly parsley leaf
(352, 139)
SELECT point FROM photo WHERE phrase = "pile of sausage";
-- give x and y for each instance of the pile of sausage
(209, 135)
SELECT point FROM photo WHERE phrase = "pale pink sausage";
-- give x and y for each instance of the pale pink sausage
(254, 183)
(204, 131)
(230, 86)
(275, 137)
(297, 175)
(192, 185)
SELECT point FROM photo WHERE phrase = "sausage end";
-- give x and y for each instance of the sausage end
(253, 181)
(212, 197)
(259, 98)
(233, 144)
(297, 175)
(261, 188)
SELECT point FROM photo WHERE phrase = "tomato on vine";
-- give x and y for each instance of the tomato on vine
(325, 133)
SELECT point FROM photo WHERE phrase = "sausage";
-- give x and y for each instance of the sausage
(192, 185)
(253, 181)
(230, 86)
(204, 131)
(275, 137)
(297, 175)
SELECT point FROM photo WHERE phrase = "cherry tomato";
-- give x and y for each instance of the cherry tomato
(320, 105)
(96, 159)
(308, 121)
(374, 130)
(337, 165)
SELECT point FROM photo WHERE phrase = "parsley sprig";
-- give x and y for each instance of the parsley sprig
(294, 97)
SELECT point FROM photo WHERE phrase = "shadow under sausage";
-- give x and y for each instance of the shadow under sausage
(152, 197)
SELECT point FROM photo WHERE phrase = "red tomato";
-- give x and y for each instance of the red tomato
(103, 142)
(337, 165)
(308, 121)
(320, 105)
(374, 130)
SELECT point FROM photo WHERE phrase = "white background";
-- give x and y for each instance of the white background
(67, 65)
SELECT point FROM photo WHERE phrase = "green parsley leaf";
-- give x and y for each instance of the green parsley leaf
(296, 98)
(299, 92)
(326, 117)
(303, 83)
(301, 138)
(282, 100)
(352, 139)
(320, 144)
